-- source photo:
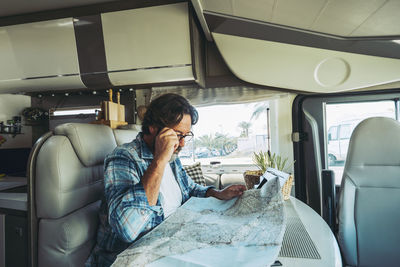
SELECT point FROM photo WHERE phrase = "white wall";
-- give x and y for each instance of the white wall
(12, 105)
(281, 126)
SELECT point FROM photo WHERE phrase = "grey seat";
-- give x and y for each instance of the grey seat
(369, 213)
(126, 134)
(65, 188)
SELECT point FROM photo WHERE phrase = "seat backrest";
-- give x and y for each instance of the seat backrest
(66, 185)
(369, 213)
(127, 134)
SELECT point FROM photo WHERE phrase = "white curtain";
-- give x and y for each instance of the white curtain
(219, 96)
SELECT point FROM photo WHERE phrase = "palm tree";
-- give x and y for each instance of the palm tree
(259, 109)
(222, 142)
(207, 141)
(225, 144)
(245, 128)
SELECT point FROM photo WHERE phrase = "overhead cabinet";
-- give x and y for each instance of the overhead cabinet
(152, 45)
(149, 45)
(39, 56)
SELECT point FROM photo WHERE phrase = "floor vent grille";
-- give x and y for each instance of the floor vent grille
(297, 243)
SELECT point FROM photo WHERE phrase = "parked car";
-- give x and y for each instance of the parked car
(185, 153)
(338, 140)
(202, 152)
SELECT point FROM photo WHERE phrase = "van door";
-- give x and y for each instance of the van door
(333, 145)
(325, 124)
(345, 131)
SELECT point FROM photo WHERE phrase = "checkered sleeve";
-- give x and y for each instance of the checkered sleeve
(129, 213)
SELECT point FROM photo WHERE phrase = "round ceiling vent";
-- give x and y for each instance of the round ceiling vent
(332, 72)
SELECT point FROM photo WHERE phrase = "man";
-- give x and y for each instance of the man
(144, 180)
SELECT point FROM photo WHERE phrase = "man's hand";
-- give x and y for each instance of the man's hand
(165, 144)
(227, 193)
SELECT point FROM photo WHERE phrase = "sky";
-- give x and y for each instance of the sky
(357, 111)
(225, 119)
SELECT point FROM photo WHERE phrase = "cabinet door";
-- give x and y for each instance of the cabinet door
(2, 240)
(16, 239)
(148, 45)
(39, 55)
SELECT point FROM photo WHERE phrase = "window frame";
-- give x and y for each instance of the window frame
(310, 152)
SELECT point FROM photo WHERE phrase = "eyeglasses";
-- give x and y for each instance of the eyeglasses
(187, 136)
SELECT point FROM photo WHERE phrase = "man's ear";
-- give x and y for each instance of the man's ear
(153, 130)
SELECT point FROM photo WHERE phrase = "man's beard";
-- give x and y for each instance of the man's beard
(174, 155)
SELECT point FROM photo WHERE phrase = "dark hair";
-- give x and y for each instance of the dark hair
(167, 111)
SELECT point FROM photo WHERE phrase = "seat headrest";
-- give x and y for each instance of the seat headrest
(91, 142)
(126, 135)
(375, 141)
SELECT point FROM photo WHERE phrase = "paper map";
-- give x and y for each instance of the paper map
(245, 231)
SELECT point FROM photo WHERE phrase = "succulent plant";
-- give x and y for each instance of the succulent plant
(264, 160)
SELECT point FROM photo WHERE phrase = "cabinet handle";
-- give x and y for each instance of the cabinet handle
(18, 231)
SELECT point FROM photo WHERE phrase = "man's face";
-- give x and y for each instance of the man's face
(182, 129)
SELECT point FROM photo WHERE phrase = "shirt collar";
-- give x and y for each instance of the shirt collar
(144, 149)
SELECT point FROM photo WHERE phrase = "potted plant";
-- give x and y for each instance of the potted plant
(264, 160)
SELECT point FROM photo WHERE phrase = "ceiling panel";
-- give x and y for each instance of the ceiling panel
(342, 17)
(346, 18)
(220, 6)
(299, 16)
(305, 68)
(254, 9)
(386, 21)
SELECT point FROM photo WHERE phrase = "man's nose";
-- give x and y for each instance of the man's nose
(182, 142)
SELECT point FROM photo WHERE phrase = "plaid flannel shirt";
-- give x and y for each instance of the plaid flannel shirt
(125, 214)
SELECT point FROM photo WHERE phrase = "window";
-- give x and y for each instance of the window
(313, 117)
(72, 114)
(228, 134)
(332, 133)
(346, 117)
(345, 131)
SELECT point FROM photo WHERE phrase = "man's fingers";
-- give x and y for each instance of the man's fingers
(233, 191)
(238, 187)
(166, 142)
(238, 193)
(165, 131)
(176, 145)
(241, 187)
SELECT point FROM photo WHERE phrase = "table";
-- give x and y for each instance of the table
(8, 182)
(296, 251)
(308, 240)
(13, 200)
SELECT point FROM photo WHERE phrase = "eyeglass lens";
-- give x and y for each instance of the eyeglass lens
(187, 137)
